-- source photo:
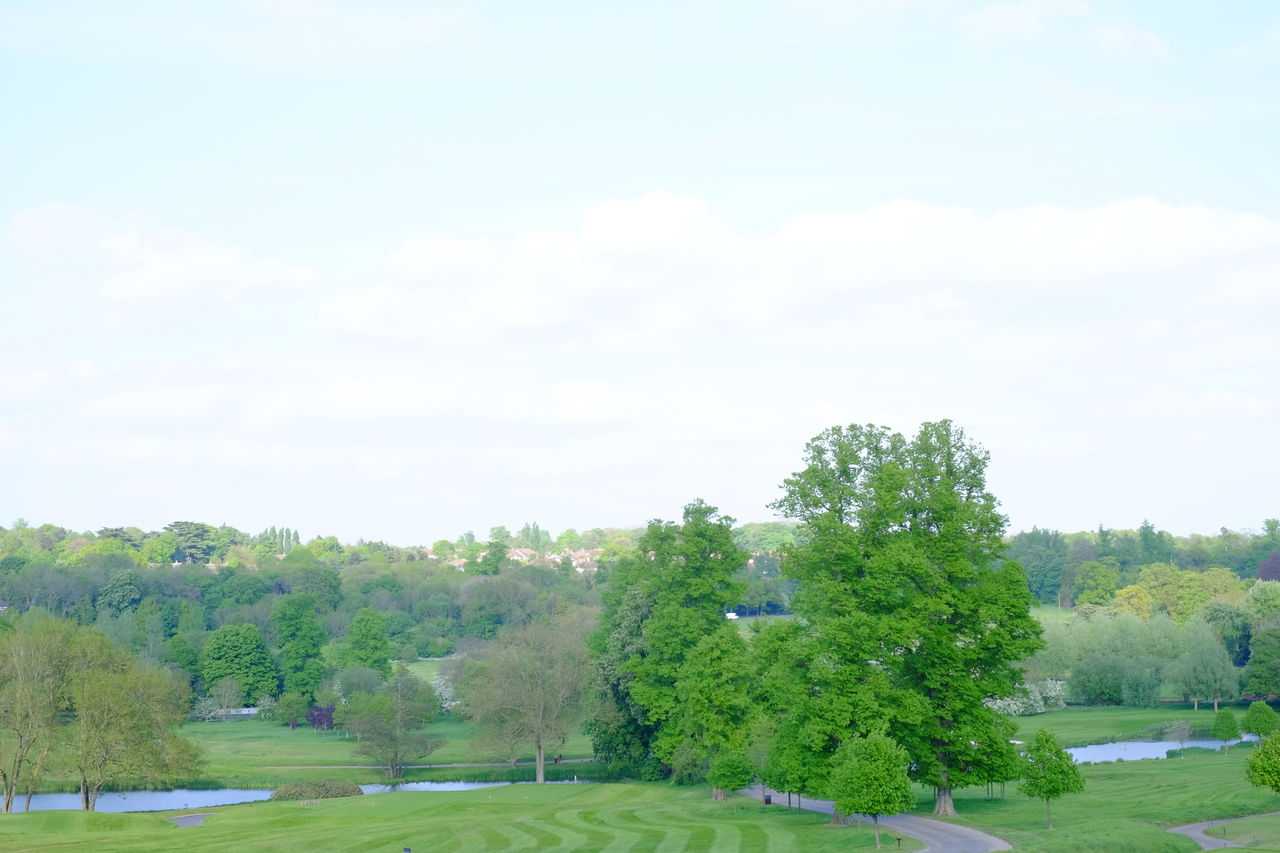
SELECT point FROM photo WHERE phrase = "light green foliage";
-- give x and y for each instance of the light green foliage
(1178, 731)
(665, 599)
(869, 776)
(1264, 765)
(291, 709)
(389, 724)
(239, 652)
(711, 689)
(1225, 725)
(729, 771)
(1202, 669)
(1262, 600)
(1049, 772)
(917, 620)
(299, 637)
(1261, 719)
(366, 643)
(1096, 583)
(527, 687)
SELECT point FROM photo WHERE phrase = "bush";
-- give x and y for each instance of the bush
(322, 789)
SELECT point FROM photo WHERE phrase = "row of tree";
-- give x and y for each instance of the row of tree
(76, 708)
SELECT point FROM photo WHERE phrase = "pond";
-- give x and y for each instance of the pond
(185, 798)
(1133, 750)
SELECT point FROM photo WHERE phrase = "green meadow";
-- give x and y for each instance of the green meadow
(257, 753)
(1082, 726)
(518, 817)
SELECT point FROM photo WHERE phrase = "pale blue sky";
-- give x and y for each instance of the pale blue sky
(396, 270)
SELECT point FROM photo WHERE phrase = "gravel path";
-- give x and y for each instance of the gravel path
(938, 836)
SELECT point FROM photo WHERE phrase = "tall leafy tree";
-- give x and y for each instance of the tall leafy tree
(366, 643)
(299, 636)
(1049, 772)
(239, 652)
(666, 598)
(1225, 726)
(1260, 719)
(917, 618)
(527, 687)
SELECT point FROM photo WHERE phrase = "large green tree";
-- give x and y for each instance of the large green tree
(527, 687)
(366, 643)
(916, 616)
(299, 636)
(667, 595)
(239, 652)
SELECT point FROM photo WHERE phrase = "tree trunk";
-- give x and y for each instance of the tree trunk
(718, 794)
(942, 804)
(1195, 705)
(539, 762)
(1048, 811)
(1215, 704)
(84, 793)
(875, 818)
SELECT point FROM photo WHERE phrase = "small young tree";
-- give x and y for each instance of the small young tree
(1225, 727)
(729, 771)
(227, 693)
(291, 708)
(1261, 719)
(1049, 772)
(1179, 731)
(869, 776)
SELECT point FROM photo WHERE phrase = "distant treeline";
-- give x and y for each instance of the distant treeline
(1053, 559)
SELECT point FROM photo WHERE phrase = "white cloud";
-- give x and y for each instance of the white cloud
(1262, 48)
(1021, 20)
(1128, 40)
(253, 32)
(650, 354)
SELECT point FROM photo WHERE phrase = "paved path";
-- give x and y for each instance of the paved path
(938, 836)
(1195, 831)
(191, 819)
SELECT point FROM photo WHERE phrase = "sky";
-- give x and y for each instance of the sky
(397, 270)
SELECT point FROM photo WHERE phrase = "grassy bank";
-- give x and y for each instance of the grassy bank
(1083, 726)
(583, 817)
(1126, 805)
(257, 753)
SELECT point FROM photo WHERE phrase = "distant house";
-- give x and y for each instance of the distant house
(523, 555)
(731, 615)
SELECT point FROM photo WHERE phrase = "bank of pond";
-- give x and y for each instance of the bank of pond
(187, 798)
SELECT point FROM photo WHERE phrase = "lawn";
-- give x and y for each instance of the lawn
(1126, 805)
(1083, 726)
(519, 817)
(1257, 832)
(257, 753)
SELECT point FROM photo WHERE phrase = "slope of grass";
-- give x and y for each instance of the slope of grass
(1126, 806)
(1257, 832)
(1083, 726)
(525, 817)
(257, 753)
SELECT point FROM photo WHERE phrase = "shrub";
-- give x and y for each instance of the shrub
(321, 789)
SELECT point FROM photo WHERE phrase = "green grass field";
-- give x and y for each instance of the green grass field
(1260, 833)
(520, 817)
(1126, 806)
(1082, 726)
(257, 753)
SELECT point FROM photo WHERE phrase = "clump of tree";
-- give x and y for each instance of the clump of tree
(74, 706)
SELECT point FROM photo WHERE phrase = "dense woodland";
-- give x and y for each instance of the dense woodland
(910, 604)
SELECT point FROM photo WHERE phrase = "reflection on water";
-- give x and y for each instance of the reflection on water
(1133, 750)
